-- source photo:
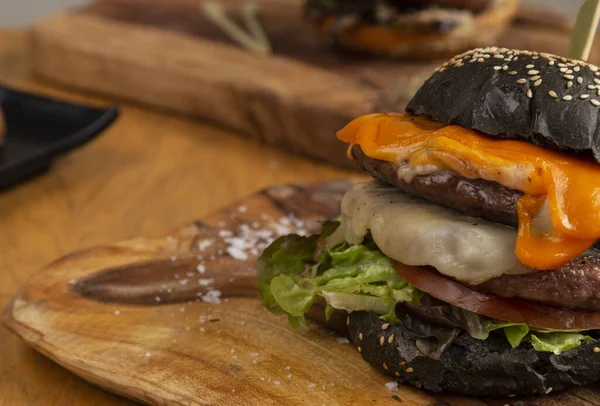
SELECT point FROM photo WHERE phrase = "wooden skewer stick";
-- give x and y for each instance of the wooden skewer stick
(215, 13)
(250, 14)
(584, 30)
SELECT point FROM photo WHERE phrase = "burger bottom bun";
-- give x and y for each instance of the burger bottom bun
(469, 366)
(387, 41)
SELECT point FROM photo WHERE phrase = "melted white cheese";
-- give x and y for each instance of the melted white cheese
(407, 172)
(416, 232)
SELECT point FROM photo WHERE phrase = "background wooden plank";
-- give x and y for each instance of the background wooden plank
(167, 54)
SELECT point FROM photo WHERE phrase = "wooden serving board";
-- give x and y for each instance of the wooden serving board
(167, 54)
(134, 318)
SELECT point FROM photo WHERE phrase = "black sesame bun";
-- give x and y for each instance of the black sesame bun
(426, 32)
(469, 366)
(545, 99)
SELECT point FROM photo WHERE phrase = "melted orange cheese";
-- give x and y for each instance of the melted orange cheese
(570, 185)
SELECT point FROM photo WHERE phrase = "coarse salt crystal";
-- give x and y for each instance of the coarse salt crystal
(204, 244)
(183, 282)
(343, 340)
(117, 312)
(225, 233)
(202, 329)
(236, 253)
(157, 298)
(212, 296)
(243, 209)
(287, 368)
(277, 383)
(392, 386)
(173, 259)
(147, 354)
(205, 282)
(290, 376)
(182, 309)
(254, 354)
(201, 268)
(312, 385)
(280, 229)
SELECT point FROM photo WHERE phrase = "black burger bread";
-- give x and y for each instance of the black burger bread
(419, 29)
(470, 263)
(468, 365)
(469, 97)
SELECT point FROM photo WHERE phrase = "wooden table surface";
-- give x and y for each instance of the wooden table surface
(150, 172)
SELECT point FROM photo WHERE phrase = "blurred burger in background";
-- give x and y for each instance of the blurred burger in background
(414, 29)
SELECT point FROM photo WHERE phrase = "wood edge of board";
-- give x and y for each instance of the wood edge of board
(52, 318)
(275, 100)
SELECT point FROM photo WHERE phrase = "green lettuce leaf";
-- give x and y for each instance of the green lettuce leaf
(298, 323)
(557, 342)
(287, 255)
(353, 302)
(348, 277)
(294, 272)
(294, 299)
(329, 310)
(515, 334)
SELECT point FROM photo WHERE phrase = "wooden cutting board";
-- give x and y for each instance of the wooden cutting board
(167, 54)
(135, 318)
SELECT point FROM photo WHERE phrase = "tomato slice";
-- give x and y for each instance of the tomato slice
(512, 310)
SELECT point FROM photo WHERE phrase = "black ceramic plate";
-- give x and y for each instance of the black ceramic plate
(38, 129)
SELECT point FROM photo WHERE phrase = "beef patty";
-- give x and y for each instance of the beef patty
(473, 197)
(575, 286)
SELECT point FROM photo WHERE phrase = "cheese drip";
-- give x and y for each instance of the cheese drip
(570, 186)
(416, 232)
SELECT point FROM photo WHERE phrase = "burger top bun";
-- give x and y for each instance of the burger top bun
(541, 98)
